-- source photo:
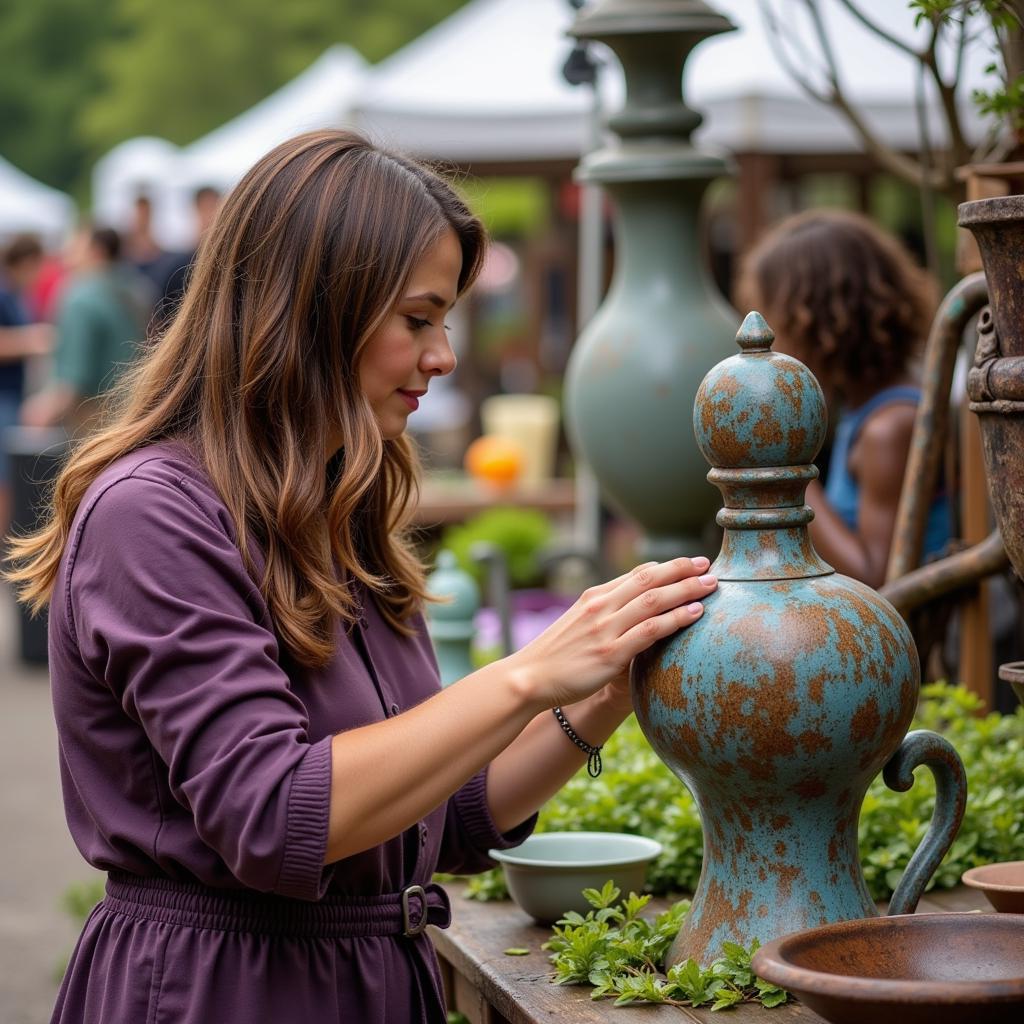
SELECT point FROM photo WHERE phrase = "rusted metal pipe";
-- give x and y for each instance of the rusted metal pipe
(936, 579)
(928, 442)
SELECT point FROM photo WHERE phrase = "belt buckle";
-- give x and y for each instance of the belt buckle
(410, 930)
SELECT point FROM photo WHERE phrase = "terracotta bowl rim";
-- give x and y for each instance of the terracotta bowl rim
(974, 877)
(771, 963)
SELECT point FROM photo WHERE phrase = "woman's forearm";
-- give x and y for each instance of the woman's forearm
(542, 758)
(387, 776)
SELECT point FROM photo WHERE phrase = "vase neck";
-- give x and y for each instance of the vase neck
(765, 522)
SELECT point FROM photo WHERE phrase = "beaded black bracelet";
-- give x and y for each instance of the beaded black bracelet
(593, 753)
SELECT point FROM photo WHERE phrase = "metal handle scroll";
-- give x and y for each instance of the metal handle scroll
(939, 756)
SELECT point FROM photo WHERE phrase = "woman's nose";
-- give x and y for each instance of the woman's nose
(438, 357)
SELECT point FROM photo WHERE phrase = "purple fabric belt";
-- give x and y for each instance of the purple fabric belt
(193, 905)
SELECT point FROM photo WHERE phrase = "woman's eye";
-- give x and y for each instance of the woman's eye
(417, 323)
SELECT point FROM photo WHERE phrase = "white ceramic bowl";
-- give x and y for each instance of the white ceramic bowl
(546, 875)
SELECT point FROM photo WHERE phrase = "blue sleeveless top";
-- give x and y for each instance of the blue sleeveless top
(842, 490)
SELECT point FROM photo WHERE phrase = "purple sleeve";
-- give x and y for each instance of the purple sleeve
(165, 614)
(469, 830)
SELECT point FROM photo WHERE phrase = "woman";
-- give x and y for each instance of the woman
(253, 740)
(846, 299)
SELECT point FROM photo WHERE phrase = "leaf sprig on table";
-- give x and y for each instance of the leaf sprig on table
(620, 954)
(637, 793)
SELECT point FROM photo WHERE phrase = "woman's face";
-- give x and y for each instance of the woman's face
(412, 346)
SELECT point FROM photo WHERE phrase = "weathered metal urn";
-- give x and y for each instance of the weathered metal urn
(795, 688)
(995, 384)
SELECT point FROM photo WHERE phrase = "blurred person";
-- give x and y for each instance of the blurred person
(254, 741)
(846, 299)
(206, 202)
(101, 320)
(43, 294)
(140, 248)
(20, 338)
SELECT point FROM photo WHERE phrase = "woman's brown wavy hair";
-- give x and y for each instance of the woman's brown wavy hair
(845, 296)
(305, 261)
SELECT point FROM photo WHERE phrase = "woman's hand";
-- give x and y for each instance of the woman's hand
(593, 643)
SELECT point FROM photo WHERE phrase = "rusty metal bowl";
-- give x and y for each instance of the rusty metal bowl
(1002, 884)
(907, 969)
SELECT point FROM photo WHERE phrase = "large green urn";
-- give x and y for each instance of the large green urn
(634, 372)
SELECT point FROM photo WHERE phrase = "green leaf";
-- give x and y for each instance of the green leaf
(517, 951)
(727, 997)
(769, 1000)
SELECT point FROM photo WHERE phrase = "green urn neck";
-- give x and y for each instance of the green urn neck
(653, 41)
(760, 420)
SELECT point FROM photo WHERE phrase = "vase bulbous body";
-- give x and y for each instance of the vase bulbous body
(794, 689)
(635, 369)
(777, 714)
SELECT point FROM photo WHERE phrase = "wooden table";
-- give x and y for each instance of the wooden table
(489, 987)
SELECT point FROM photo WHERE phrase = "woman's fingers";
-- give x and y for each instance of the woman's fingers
(657, 601)
(645, 633)
(613, 622)
(645, 578)
(604, 588)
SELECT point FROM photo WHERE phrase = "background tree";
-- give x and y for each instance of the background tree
(48, 71)
(79, 76)
(953, 26)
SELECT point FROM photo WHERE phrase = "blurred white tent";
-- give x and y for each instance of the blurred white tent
(29, 205)
(486, 86)
(319, 97)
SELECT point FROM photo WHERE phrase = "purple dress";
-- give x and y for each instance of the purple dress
(196, 767)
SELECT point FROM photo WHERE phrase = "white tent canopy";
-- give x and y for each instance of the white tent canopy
(319, 97)
(29, 205)
(486, 84)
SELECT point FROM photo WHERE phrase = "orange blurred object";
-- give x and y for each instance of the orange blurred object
(494, 460)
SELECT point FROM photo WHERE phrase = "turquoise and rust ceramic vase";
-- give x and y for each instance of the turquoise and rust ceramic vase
(636, 366)
(795, 688)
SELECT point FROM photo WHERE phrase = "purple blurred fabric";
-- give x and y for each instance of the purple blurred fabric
(532, 612)
(196, 769)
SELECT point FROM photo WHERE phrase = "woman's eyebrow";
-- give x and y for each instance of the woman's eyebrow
(432, 297)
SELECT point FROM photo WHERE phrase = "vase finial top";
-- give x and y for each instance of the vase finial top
(759, 408)
(754, 334)
(760, 419)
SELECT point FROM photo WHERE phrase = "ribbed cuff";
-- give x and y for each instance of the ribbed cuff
(471, 804)
(303, 875)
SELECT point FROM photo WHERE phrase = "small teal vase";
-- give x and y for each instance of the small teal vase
(796, 687)
(450, 622)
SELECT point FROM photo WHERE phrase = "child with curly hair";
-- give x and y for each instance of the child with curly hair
(846, 298)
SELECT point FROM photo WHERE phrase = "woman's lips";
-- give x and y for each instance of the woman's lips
(411, 398)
